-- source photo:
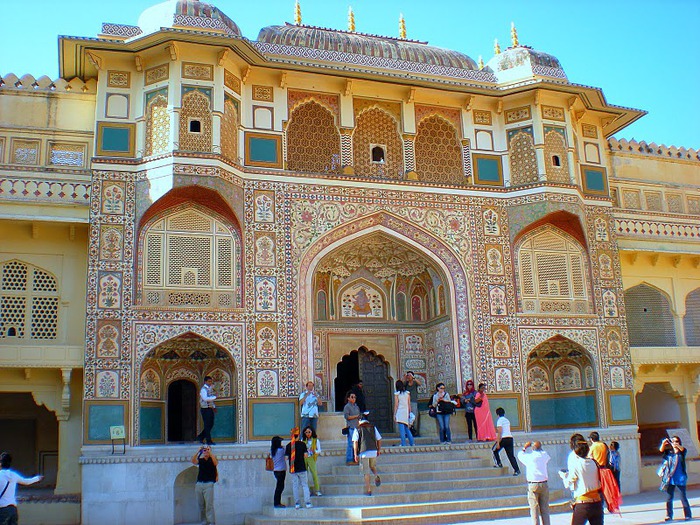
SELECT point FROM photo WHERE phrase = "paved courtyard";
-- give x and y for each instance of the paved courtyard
(638, 509)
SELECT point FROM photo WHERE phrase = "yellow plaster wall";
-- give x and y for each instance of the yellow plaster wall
(47, 111)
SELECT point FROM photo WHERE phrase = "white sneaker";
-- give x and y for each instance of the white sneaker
(309, 506)
(319, 493)
(297, 506)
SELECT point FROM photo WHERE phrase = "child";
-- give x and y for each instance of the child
(614, 460)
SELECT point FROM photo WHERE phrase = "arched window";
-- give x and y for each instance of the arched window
(649, 317)
(313, 140)
(552, 273)
(28, 302)
(191, 259)
(438, 152)
(691, 321)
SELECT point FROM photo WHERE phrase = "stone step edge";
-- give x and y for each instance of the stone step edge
(495, 513)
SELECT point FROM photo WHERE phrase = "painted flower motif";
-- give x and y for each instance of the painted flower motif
(306, 216)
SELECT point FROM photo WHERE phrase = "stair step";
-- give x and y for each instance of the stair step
(390, 474)
(425, 515)
(438, 494)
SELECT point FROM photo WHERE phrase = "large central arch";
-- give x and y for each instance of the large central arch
(441, 255)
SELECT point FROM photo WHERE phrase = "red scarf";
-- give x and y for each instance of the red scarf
(293, 449)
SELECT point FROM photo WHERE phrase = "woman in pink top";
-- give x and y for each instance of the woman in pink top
(485, 431)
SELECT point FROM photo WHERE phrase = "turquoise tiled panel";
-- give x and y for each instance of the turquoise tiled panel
(150, 420)
(563, 411)
(271, 419)
(262, 150)
(100, 418)
(621, 407)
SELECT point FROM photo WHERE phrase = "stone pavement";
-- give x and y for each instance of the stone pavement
(637, 509)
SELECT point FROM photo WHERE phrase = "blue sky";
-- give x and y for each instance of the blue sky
(642, 53)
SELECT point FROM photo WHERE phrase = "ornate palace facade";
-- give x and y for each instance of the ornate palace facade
(330, 205)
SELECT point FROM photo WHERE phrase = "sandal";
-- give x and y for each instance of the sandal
(377, 481)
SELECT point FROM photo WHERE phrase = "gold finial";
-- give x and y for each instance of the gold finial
(297, 13)
(496, 47)
(514, 34)
(481, 62)
(402, 27)
(351, 20)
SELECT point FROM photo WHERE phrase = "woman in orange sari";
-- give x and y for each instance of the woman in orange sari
(485, 431)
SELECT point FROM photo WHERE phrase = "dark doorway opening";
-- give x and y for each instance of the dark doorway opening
(182, 411)
(347, 375)
(373, 370)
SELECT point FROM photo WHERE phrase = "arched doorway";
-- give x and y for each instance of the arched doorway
(171, 375)
(392, 296)
(561, 385)
(370, 368)
(182, 410)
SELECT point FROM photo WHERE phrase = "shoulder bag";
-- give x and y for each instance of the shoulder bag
(269, 464)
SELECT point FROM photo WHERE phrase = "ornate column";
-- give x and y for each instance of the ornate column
(346, 161)
(467, 161)
(409, 157)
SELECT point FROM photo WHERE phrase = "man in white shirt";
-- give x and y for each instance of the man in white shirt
(207, 409)
(8, 484)
(535, 460)
(309, 406)
(504, 440)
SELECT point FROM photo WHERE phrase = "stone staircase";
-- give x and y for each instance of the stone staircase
(422, 485)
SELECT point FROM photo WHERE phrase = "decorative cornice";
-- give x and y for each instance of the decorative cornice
(28, 83)
(652, 149)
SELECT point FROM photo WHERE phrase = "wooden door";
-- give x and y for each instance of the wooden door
(374, 373)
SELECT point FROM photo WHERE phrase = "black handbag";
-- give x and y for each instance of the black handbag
(446, 407)
(432, 412)
(345, 431)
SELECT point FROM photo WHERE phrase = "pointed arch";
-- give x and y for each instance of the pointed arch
(438, 151)
(313, 139)
(691, 319)
(376, 126)
(650, 318)
(552, 271)
(435, 249)
(195, 122)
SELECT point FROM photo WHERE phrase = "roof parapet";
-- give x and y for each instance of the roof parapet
(644, 148)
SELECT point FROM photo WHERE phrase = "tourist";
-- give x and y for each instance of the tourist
(309, 406)
(469, 404)
(313, 448)
(485, 431)
(504, 440)
(8, 485)
(615, 461)
(358, 390)
(367, 445)
(598, 450)
(207, 409)
(535, 460)
(444, 408)
(351, 412)
(207, 475)
(411, 384)
(676, 475)
(297, 453)
(280, 469)
(611, 491)
(582, 478)
(402, 410)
